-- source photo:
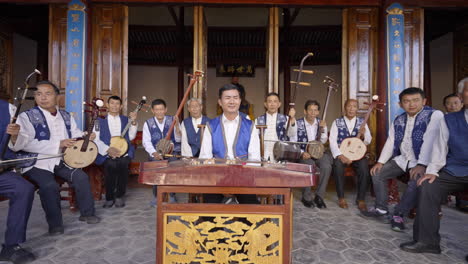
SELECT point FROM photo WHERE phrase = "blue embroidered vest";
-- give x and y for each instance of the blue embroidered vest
(192, 136)
(343, 129)
(241, 142)
(39, 122)
(281, 121)
(156, 134)
(4, 121)
(302, 132)
(420, 126)
(105, 136)
(457, 157)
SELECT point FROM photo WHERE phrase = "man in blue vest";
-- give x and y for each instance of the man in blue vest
(115, 164)
(307, 129)
(407, 149)
(452, 103)
(155, 129)
(345, 127)
(447, 172)
(191, 134)
(20, 193)
(47, 130)
(229, 136)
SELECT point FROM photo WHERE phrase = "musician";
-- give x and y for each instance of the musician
(307, 128)
(447, 172)
(46, 130)
(245, 107)
(20, 193)
(155, 129)
(189, 128)
(407, 149)
(452, 103)
(114, 163)
(276, 124)
(345, 127)
(229, 136)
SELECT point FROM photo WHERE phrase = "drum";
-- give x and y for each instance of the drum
(286, 152)
(315, 149)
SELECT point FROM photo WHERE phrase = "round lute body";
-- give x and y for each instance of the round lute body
(354, 148)
(78, 159)
(315, 148)
(119, 142)
(84, 152)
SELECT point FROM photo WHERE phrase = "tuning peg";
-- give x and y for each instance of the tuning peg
(301, 83)
(304, 71)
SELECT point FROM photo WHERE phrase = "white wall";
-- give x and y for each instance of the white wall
(441, 52)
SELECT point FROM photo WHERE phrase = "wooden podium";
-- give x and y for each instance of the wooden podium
(195, 233)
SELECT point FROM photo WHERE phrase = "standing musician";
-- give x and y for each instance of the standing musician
(19, 191)
(447, 172)
(407, 149)
(345, 127)
(115, 163)
(191, 140)
(155, 129)
(229, 136)
(276, 124)
(46, 130)
(307, 128)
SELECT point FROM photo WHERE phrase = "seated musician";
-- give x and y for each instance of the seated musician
(407, 149)
(447, 172)
(155, 129)
(453, 103)
(191, 134)
(19, 191)
(46, 130)
(345, 127)
(307, 128)
(230, 136)
(115, 164)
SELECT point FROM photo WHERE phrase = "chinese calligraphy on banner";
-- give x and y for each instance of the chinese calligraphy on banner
(241, 70)
(76, 42)
(395, 59)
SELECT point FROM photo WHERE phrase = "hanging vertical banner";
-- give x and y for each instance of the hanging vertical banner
(76, 42)
(395, 59)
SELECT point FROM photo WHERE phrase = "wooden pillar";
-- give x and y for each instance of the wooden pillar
(414, 47)
(200, 61)
(58, 48)
(272, 51)
(285, 60)
(180, 58)
(7, 91)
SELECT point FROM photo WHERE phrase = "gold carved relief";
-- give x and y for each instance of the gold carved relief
(222, 239)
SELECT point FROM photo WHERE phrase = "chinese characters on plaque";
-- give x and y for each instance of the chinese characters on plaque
(240, 70)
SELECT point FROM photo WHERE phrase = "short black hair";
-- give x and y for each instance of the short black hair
(311, 102)
(450, 96)
(228, 87)
(114, 97)
(411, 91)
(158, 102)
(272, 94)
(46, 82)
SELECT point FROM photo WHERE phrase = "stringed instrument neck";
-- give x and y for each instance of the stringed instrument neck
(87, 137)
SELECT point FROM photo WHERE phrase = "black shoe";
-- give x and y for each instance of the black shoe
(308, 204)
(409, 243)
(466, 258)
(16, 254)
(420, 247)
(108, 204)
(319, 202)
(55, 231)
(375, 215)
(119, 202)
(90, 219)
(397, 223)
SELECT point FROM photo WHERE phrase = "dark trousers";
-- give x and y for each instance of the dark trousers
(50, 195)
(116, 177)
(325, 168)
(241, 198)
(363, 177)
(21, 194)
(408, 200)
(390, 170)
(430, 196)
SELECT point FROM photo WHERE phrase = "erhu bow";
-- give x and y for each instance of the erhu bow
(166, 146)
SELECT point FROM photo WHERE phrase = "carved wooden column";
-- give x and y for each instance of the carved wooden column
(272, 58)
(200, 61)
